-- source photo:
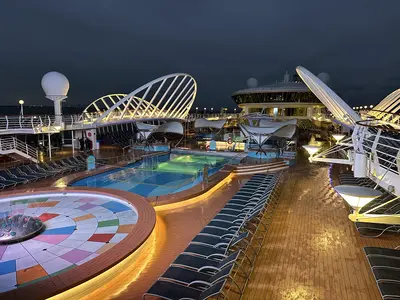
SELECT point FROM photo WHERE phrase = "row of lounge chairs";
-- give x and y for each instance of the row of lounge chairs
(219, 260)
(33, 172)
(373, 229)
(385, 265)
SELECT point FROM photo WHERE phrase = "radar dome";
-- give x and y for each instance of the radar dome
(55, 84)
(252, 83)
(324, 77)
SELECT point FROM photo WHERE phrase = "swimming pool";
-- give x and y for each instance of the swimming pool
(156, 176)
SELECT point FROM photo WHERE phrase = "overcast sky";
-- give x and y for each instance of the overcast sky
(115, 46)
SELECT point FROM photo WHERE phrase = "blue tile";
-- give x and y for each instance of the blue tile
(8, 267)
(62, 230)
(115, 206)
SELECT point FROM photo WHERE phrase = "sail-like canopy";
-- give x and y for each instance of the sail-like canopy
(204, 123)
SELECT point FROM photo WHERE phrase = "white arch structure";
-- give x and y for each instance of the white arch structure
(341, 111)
(167, 97)
(388, 109)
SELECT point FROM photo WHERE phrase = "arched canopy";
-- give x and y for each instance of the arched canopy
(204, 123)
(167, 97)
(341, 111)
(388, 107)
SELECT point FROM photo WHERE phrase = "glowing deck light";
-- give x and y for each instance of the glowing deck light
(311, 149)
(338, 137)
(357, 196)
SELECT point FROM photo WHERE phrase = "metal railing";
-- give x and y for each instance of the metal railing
(11, 144)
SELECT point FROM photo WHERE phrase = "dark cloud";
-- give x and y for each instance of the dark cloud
(115, 46)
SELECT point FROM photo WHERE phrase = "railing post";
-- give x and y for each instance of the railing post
(20, 119)
(15, 143)
(7, 122)
(0, 145)
(27, 150)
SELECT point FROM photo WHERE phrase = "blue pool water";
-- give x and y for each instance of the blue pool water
(156, 176)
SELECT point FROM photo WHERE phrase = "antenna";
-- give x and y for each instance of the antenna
(56, 86)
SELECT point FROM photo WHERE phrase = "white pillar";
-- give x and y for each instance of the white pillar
(49, 135)
(73, 143)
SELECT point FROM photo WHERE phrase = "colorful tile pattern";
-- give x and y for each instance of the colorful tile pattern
(78, 229)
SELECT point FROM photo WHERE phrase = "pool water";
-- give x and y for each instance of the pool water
(156, 176)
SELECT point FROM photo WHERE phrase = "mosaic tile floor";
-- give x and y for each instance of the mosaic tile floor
(78, 229)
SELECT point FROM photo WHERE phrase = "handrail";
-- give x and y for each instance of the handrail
(12, 143)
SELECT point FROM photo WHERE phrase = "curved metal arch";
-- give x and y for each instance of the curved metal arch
(340, 109)
(169, 96)
(388, 107)
(103, 103)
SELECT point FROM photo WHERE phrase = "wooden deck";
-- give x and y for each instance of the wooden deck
(312, 250)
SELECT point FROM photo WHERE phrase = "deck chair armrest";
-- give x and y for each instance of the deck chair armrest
(221, 245)
(217, 256)
(227, 236)
(199, 282)
(209, 268)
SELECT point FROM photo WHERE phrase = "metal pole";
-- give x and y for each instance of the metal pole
(73, 143)
(49, 145)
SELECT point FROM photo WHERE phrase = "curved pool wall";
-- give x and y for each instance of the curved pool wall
(157, 175)
(80, 225)
(153, 148)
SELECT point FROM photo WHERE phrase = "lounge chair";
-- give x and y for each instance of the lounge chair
(27, 171)
(195, 278)
(173, 291)
(218, 241)
(201, 264)
(10, 177)
(382, 251)
(389, 290)
(7, 183)
(16, 173)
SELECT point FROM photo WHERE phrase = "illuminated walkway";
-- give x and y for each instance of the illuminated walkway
(312, 251)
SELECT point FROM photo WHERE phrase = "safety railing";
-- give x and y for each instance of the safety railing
(11, 143)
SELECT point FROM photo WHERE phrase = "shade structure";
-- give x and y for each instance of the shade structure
(357, 196)
(311, 149)
(338, 137)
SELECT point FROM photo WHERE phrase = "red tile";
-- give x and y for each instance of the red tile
(106, 237)
(46, 216)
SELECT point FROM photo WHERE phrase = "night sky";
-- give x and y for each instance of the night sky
(115, 46)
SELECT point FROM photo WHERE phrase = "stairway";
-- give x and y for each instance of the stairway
(17, 149)
(261, 168)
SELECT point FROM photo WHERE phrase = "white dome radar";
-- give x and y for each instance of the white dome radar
(324, 77)
(252, 83)
(55, 84)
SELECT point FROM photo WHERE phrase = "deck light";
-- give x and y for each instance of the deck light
(338, 137)
(311, 149)
(357, 196)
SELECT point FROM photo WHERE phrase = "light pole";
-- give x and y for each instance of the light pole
(234, 110)
(21, 102)
(205, 109)
(212, 109)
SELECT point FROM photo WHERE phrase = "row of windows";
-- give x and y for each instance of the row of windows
(303, 97)
(288, 112)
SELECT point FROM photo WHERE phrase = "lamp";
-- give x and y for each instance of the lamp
(371, 106)
(338, 136)
(357, 196)
(21, 102)
(311, 150)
